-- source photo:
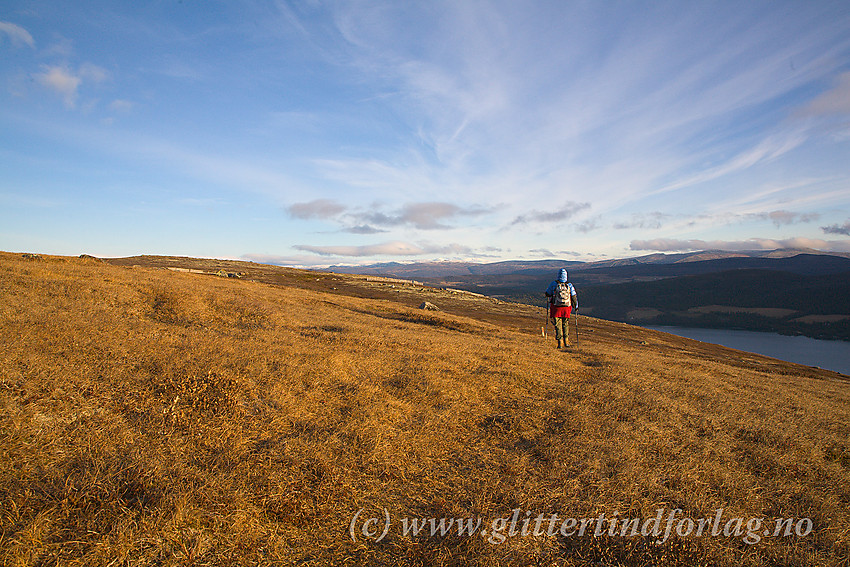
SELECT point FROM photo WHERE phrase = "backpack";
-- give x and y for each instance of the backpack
(561, 297)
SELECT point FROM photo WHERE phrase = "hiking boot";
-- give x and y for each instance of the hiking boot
(559, 343)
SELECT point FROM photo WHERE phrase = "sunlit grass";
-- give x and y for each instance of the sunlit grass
(153, 417)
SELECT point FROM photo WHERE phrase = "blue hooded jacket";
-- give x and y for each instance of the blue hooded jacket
(562, 278)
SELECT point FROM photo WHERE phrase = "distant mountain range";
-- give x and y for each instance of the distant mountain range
(789, 291)
(451, 269)
(759, 258)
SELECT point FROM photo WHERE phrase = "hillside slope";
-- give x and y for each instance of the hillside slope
(163, 417)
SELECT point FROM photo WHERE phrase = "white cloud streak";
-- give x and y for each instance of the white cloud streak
(121, 105)
(16, 34)
(653, 220)
(316, 209)
(421, 116)
(556, 215)
(391, 248)
(677, 245)
(835, 101)
(61, 81)
(66, 82)
(422, 216)
(780, 218)
(492, 105)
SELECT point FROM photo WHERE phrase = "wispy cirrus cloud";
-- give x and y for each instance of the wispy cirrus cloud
(16, 34)
(780, 218)
(417, 117)
(589, 225)
(363, 229)
(61, 81)
(673, 114)
(316, 209)
(391, 248)
(424, 216)
(563, 213)
(835, 101)
(295, 260)
(66, 82)
(678, 245)
(658, 220)
(122, 105)
(654, 220)
(681, 116)
(374, 219)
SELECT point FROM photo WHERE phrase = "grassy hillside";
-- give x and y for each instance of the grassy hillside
(160, 417)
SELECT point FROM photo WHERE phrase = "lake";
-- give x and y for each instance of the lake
(831, 355)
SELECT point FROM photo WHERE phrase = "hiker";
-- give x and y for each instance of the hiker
(562, 301)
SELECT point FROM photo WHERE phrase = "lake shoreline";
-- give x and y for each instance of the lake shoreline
(829, 354)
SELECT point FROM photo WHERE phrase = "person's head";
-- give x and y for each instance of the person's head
(562, 275)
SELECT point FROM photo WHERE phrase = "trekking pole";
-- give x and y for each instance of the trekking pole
(576, 325)
(545, 318)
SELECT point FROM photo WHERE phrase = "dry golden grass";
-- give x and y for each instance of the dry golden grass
(153, 417)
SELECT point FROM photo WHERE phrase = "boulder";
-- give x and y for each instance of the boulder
(428, 306)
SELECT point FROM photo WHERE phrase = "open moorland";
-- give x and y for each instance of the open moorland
(788, 291)
(158, 412)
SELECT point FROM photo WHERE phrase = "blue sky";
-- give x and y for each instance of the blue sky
(313, 133)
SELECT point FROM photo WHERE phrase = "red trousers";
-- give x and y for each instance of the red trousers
(560, 311)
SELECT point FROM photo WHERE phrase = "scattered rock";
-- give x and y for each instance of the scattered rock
(28, 256)
(90, 257)
(428, 306)
(226, 274)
